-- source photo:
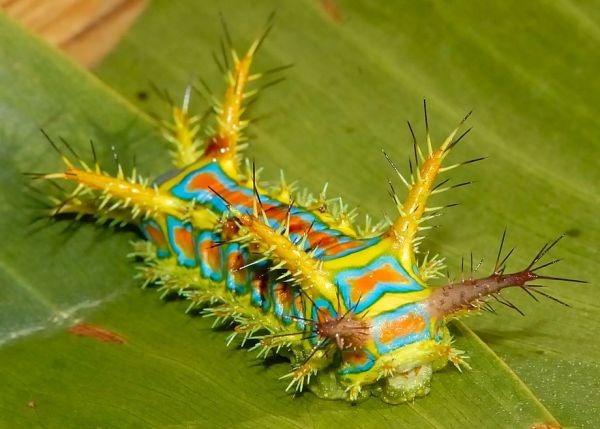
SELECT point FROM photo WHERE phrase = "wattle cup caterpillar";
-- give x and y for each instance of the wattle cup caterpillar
(355, 311)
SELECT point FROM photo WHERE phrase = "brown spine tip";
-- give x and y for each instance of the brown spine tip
(469, 294)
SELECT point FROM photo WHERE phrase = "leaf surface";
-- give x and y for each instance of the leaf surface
(527, 70)
(173, 370)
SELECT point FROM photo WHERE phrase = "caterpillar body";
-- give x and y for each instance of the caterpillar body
(353, 310)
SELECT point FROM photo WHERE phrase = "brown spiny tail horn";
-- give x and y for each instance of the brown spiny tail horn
(473, 294)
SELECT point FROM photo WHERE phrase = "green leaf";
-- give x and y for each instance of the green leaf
(527, 69)
(174, 371)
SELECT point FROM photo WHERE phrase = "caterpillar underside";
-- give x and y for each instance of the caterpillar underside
(352, 308)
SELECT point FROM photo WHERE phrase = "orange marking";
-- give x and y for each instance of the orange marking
(211, 254)
(283, 295)
(299, 304)
(202, 181)
(100, 334)
(183, 239)
(298, 225)
(332, 10)
(329, 243)
(235, 261)
(237, 198)
(208, 181)
(321, 239)
(342, 247)
(355, 357)
(157, 236)
(259, 283)
(411, 323)
(323, 315)
(361, 286)
(278, 213)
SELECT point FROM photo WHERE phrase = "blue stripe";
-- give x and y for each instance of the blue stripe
(238, 288)
(392, 316)
(355, 369)
(173, 223)
(161, 253)
(208, 198)
(344, 280)
(205, 268)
